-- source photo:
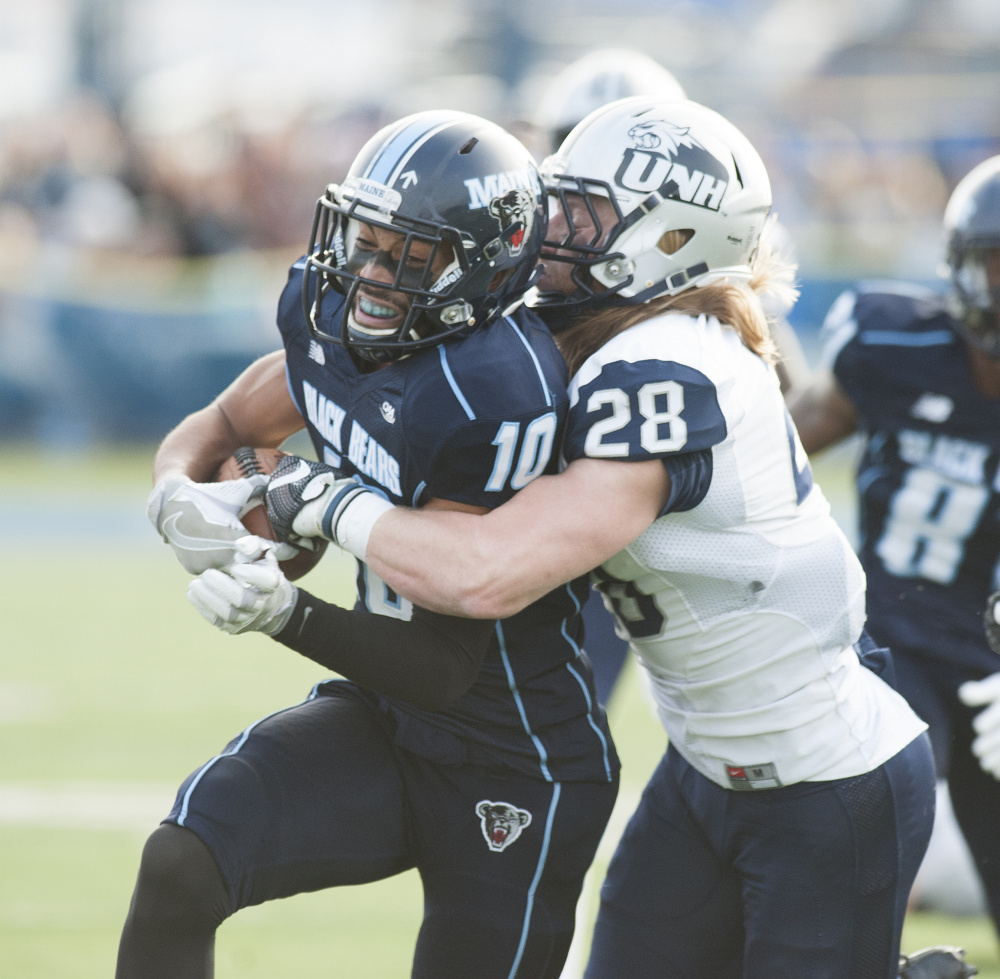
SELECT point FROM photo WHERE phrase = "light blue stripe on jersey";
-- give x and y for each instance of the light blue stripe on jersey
(242, 740)
(590, 718)
(291, 390)
(583, 686)
(543, 757)
(899, 338)
(542, 857)
(534, 359)
(454, 384)
(417, 492)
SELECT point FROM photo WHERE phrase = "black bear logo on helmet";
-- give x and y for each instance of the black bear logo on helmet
(516, 206)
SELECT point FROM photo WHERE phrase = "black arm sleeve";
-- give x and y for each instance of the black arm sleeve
(429, 661)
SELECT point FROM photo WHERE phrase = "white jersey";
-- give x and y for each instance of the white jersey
(744, 600)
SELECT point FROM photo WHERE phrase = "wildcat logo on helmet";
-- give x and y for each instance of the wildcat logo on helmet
(501, 822)
(516, 206)
(667, 160)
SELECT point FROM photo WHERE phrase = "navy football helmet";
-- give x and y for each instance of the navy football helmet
(436, 229)
(972, 224)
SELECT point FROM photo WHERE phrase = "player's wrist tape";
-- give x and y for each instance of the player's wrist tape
(350, 516)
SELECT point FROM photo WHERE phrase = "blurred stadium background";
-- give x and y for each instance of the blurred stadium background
(159, 161)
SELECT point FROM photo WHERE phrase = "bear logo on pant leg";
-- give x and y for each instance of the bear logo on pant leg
(502, 823)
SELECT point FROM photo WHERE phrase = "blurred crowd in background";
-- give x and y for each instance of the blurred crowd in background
(160, 159)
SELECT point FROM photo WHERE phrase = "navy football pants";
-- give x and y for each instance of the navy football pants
(318, 796)
(807, 881)
(930, 688)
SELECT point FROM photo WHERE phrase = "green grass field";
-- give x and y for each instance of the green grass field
(112, 689)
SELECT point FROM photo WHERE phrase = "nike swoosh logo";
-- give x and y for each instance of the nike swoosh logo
(301, 471)
(305, 615)
(181, 539)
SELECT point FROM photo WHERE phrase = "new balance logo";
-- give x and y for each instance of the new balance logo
(316, 352)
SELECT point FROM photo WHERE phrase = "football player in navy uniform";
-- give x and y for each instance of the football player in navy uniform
(919, 376)
(474, 751)
(781, 833)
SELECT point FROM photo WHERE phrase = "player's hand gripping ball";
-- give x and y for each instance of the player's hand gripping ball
(255, 463)
(201, 521)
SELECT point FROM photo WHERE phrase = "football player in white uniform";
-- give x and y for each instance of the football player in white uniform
(782, 831)
(598, 77)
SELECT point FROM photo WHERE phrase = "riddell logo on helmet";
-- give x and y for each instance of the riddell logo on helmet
(665, 158)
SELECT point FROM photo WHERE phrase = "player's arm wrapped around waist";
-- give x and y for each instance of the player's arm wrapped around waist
(428, 661)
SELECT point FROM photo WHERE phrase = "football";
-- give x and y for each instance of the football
(248, 461)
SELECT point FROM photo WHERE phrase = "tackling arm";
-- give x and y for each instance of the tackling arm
(493, 565)
(822, 412)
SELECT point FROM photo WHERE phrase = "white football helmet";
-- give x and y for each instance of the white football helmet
(666, 166)
(600, 77)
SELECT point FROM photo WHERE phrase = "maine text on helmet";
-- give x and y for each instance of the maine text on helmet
(371, 192)
(482, 192)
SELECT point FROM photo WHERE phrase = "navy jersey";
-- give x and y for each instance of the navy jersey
(929, 478)
(473, 421)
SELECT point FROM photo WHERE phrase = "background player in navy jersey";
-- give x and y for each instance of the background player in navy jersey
(474, 751)
(919, 376)
(782, 831)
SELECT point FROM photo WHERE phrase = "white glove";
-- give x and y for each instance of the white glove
(986, 724)
(250, 597)
(991, 621)
(201, 521)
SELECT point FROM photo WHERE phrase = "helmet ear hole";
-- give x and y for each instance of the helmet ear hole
(499, 279)
(674, 240)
